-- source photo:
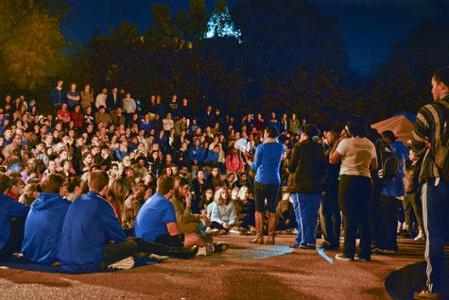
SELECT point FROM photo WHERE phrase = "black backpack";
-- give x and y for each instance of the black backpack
(387, 163)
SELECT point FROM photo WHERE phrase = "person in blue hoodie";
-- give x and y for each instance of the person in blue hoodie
(92, 238)
(12, 218)
(44, 222)
(196, 153)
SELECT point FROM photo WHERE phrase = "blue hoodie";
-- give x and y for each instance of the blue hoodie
(89, 224)
(196, 154)
(43, 228)
(8, 210)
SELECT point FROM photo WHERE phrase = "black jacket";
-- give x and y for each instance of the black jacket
(307, 168)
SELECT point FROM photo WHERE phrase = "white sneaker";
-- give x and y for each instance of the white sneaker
(124, 264)
(233, 231)
(207, 250)
(420, 237)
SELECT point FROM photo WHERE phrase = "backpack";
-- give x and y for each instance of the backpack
(388, 163)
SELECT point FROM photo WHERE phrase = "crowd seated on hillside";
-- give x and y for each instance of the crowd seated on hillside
(106, 177)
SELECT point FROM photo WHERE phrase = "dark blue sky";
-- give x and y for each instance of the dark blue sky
(369, 27)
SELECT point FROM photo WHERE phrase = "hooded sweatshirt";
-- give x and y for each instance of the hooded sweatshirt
(89, 224)
(43, 228)
(8, 210)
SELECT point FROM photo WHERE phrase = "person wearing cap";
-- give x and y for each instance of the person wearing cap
(386, 206)
(267, 164)
(12, 219)
(307, 170)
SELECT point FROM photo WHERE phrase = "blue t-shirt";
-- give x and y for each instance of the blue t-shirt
(267, 163)
(152, 219)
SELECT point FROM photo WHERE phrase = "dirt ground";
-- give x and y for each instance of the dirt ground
(245, 271)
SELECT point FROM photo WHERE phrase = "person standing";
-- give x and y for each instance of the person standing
(330, 217)
(307, 170)
(58, 95)
(267, 182)
(430, 141)
(357, 155)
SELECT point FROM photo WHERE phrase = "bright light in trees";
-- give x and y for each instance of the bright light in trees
(221, 25)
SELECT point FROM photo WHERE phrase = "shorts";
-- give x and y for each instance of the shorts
(270, 192)
(175, 241)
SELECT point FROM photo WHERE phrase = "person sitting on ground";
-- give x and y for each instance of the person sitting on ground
(92, 238)
(12, 219)
(156, 222)
(223, 215)
(44, 222)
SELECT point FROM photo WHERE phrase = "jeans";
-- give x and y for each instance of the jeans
(330, 218)
(412, 205)
(355, 202)
(306, 211)
(435, 200)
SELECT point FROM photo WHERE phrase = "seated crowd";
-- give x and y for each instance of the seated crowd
(108, 178)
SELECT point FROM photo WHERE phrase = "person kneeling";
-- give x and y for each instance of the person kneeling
(44, 222)
(156, 223)
(92, 239)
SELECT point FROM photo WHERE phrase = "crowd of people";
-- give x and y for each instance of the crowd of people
(106, 177)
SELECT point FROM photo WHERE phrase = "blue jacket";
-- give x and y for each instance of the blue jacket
(196, 154)
(8, 210)
(212, 156)
(58, 97)
(43, 227)
(89, 224)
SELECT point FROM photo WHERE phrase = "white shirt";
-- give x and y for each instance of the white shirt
(357, 156)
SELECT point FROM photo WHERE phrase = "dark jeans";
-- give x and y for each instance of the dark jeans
(14, 243)
(436, 226)
(216, 225)
(385, 222)
(412, 205)
(355, 203)
(330, 218)
(116, 252)
(270, 192)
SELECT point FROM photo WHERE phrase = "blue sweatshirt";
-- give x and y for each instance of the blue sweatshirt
(8, 210)
(89, 224)
(43, 227)
(196, 154)
(267, 163)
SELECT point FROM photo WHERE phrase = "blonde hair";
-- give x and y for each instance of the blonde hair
(218, 197)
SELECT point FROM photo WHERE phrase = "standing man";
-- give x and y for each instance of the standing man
(430, 142)
(307, 170)
(58, 95)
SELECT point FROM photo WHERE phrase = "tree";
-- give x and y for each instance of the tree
(31, 44)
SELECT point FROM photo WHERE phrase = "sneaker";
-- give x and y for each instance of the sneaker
(212, 231)
(220, 247)
(234, 231)
(184, 253)
(206, 250)
(124, 264)
(420, 237)
(362, 258)
(425, 294)
(329, 246)
(307, 247)
(384, 251)
(343, 257)
(295, 245)
(157, 258)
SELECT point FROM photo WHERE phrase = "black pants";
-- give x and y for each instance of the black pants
(384, 222)
(355, 202)
(14, 243)
(330, 218)
(116, 252)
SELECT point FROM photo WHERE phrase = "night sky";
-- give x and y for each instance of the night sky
(369, 27)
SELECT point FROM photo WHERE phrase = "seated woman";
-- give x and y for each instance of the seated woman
(222, 211)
